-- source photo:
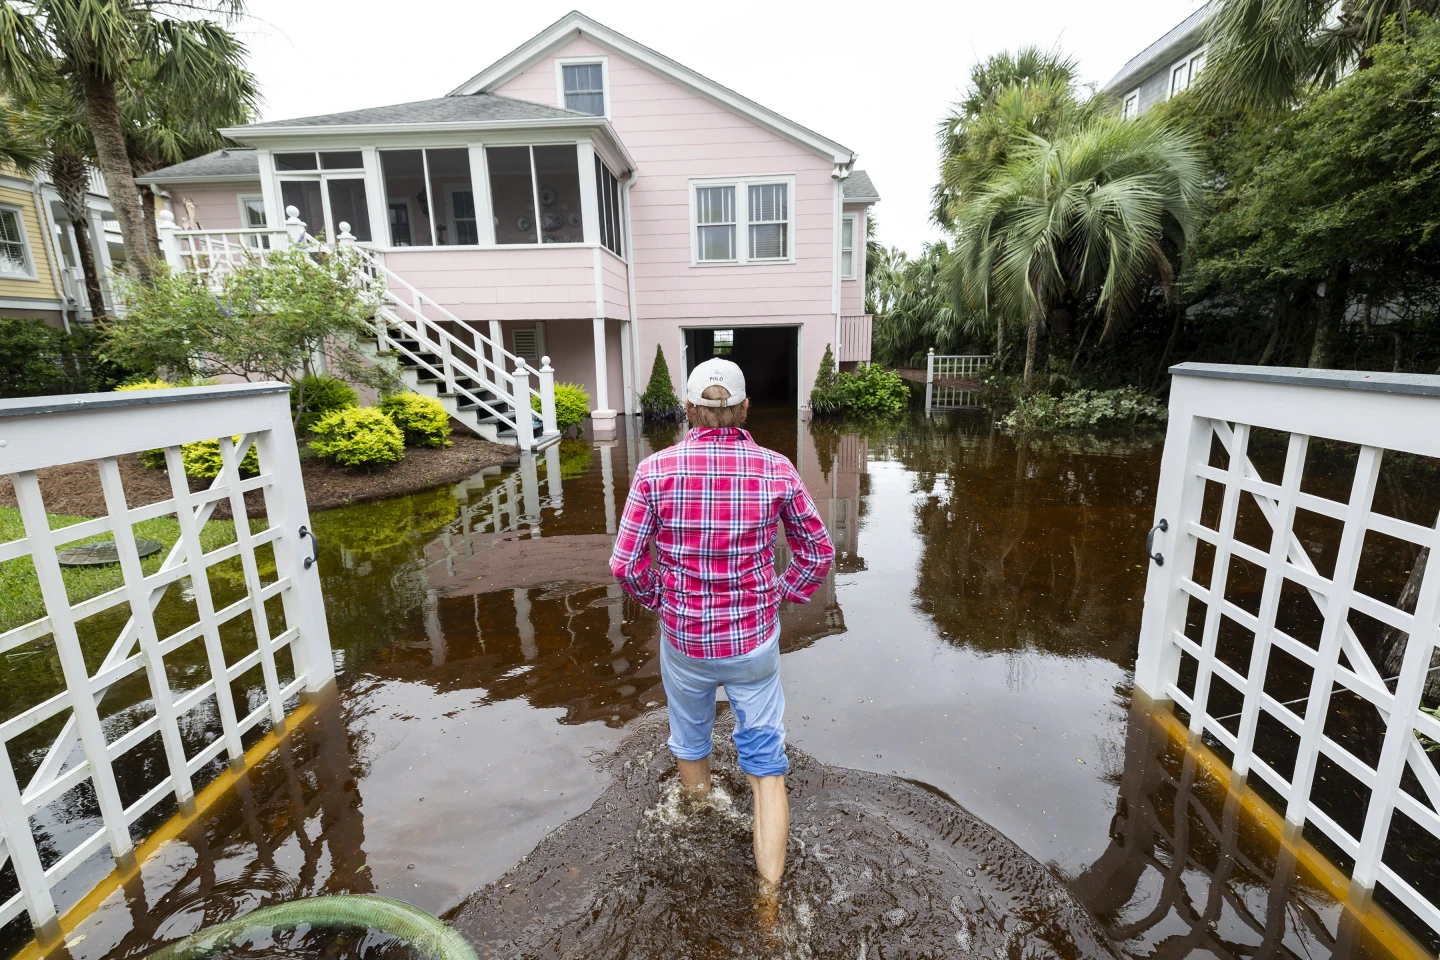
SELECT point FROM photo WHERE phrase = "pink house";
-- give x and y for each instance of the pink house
(584, 198)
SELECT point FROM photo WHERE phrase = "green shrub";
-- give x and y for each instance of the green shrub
(824, 397)
(358, 437)
(572, 405)
(39, 360)
(423, 420)
(659, 402)
(202, 459)
(872, 391)
(1083, 409)
(319, 396)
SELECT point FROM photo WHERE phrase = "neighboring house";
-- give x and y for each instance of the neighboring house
(1163, 69)
(584, 198)
(40, 275)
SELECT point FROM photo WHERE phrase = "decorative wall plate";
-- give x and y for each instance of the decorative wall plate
(547, 196)
(552, 221)
(565, 238)
(523, 223)
(575, 218)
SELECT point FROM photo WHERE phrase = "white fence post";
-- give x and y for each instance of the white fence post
(547, 397)
(930, 366)
(524, 417)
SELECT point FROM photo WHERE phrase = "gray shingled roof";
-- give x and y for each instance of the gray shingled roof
(480, 107)
(232, 163)
(858, 187)
(1184, 34)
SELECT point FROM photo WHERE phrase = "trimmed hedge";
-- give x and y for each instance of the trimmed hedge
(359, 437)
(423, 420)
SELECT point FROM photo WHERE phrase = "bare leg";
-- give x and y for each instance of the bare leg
(695, 775)
(772, 826)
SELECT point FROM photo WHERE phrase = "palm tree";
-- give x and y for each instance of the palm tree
(103, 46)
(1088, 220)
(1266, 53)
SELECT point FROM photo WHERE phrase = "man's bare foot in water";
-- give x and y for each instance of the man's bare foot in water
(695, 777)
(767, 910)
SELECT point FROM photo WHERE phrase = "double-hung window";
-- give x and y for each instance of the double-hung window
(849, 227)
(583, 86)
(1185, 73)
(1130, 106)
(743, 221)
(715, 223)
(14, 255)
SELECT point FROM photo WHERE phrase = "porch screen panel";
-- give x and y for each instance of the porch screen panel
(557, 170)
(405, 198)
(607, 192)
(452, 197)
(348, 205)
(304, 196)
(512, 194)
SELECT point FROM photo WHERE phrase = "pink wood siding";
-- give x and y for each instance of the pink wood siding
(617, 286)
(216, 207)
(674, 136)
(515, 284)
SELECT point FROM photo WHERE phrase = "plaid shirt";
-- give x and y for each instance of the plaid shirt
(710, 504)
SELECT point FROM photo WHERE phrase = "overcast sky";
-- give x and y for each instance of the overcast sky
(876, 76)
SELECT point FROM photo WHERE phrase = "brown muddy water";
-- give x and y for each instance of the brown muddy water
(972, 774)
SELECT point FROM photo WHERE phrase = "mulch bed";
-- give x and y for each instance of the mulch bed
(74, 489)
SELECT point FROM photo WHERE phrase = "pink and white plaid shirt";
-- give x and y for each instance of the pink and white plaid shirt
(710, 504)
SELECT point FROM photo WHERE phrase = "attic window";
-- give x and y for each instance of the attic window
(584, 87)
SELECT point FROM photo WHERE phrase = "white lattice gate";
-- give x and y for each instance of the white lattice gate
(1186, 610)
(278, 608)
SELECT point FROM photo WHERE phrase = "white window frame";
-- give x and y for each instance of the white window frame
(241, 199)
(1130, 105)
(854, 220)
(562, 62)
(742, 187)
(25, 246)
(1193, 62)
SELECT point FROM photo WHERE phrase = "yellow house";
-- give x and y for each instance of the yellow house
(40, 275)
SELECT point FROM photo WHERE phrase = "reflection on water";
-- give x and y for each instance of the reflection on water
(975, 639)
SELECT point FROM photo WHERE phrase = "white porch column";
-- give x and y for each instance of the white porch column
(480, 184)
(376, 204)
(603, 416)
(270, 190)
(627, 367)
(589, 199)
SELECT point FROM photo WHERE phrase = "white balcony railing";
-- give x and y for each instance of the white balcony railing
(855, 335)
(955, 366)
(1193, 617)
(50, 431)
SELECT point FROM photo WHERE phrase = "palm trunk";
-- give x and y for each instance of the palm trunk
(67, 172)
(999, 341)
(1032, 342)
(1332, 312)
(152, 233)
(103, 113)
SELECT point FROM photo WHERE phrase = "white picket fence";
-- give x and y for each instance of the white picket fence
(1378, 413)
(49, 431)
(955, 366)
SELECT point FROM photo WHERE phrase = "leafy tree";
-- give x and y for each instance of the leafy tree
(285, 319)
(38, 360)
(659, 402)
(1081, 224)
(103, 47)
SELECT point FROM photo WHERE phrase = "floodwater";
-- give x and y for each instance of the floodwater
(973, 776)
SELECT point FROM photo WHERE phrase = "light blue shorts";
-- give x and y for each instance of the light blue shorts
(752, 682)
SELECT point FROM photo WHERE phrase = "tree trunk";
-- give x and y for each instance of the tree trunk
(1390, 656)
(999, 341)
(1332, 312)
(67, 172)
(152, 233)
(1032, 341)
(103, 113)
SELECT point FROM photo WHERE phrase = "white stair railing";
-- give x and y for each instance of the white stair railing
(1381, 414)
(49, 431)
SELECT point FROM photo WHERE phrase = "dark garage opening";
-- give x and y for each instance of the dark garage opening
(767, 355)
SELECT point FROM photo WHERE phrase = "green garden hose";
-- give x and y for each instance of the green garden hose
(429, 937)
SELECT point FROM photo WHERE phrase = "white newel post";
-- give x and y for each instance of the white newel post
(169, 245)
(345, 237)
(930, 367)
(524, 418)
(547, 397)
(294, 226)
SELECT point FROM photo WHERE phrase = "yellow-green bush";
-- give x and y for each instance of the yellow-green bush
(202, 459)
(572, 405)
(144, 385)
(358, 437)
(423, 420)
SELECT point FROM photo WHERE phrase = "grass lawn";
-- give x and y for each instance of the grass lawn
(20, 600)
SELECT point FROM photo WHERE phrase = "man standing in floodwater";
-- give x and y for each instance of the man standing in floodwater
(710, 504)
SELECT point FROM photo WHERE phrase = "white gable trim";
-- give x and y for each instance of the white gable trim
(576, 24)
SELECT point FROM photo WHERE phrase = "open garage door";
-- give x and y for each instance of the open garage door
(767, 355)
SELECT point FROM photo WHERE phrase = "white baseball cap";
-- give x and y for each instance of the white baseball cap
(716, 372)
